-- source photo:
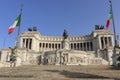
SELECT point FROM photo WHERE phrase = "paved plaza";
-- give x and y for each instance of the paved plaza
(51, 72)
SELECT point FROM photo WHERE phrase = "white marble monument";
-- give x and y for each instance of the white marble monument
(63, 50)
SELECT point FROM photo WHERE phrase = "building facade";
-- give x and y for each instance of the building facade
(93, 49)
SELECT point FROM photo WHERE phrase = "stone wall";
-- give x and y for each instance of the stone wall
(4, 64)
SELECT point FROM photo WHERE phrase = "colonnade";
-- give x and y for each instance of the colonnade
(27, 43)
(106, 42)
(85, 46)
(49, 46)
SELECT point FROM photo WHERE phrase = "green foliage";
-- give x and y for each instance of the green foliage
(118, 59)
(117, 47)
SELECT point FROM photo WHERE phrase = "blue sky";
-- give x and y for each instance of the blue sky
(51, 17)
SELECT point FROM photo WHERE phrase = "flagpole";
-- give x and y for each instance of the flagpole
(19, 26)
(115, 39)
(4, 42)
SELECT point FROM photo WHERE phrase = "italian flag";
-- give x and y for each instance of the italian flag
(109, 20)
(15, 24)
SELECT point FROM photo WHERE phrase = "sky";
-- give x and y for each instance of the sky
(51, 17)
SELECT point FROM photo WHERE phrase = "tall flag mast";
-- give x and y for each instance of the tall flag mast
(115, 39)
(20, 20)
(19, 26)
(14, 25)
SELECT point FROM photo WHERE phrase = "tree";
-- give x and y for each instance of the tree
(118, 59)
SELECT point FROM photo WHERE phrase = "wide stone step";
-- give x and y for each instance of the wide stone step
(52, 72)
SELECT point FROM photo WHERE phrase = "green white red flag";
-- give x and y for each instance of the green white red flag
(109, 20)
(14, 25)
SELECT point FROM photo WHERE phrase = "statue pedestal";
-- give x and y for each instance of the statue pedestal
(66, 44)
